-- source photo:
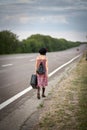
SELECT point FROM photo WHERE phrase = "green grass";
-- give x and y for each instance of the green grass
(41, 105)
(70, 110)
(82, 112)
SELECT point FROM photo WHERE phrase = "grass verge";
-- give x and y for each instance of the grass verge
(66, 107)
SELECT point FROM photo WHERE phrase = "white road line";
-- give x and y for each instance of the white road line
(21, 57)
(7, 65)
(63, 65)
(7, 102)
(32, 60)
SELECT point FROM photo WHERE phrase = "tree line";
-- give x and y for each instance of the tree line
(10, 44)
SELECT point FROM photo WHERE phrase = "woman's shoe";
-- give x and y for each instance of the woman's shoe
(38, 96)
(43, 91)
(43, 95)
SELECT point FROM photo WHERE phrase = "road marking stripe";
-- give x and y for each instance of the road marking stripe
(21, 57)
(7, 65)
(63, 65)
(32, 60)
(7, 102)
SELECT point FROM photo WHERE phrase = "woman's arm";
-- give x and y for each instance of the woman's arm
(36, 66)
(47, 65)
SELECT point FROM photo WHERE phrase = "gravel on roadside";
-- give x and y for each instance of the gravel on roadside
(60, 110)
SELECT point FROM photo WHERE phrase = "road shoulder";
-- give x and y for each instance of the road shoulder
(56, 85)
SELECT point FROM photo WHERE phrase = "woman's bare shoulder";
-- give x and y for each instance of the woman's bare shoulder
(38, 57)
(41, 58)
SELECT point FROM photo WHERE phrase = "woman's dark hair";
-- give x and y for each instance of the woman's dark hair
(42, 51)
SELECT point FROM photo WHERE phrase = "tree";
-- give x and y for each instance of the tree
(8, 42)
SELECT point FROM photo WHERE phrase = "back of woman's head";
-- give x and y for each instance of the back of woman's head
(43, 51)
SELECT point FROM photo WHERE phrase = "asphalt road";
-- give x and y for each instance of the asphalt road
(15, 73)
(16, 70)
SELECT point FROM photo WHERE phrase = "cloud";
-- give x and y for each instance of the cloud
(41, 15)
(23, 1)
(68, 35)
(24, 19)
(54, 19)
(5, 2)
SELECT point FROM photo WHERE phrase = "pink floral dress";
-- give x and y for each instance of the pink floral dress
(42, 80)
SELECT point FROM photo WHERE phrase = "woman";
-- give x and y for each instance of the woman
(42, 80)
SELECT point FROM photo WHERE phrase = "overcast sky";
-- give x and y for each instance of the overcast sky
(57, 18)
